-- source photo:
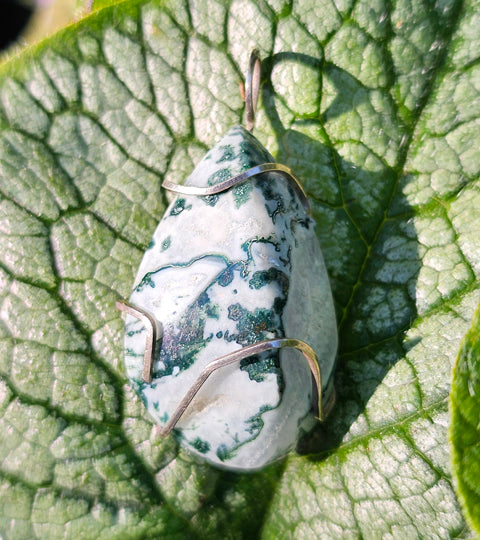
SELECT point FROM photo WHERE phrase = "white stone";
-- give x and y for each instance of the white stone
(223, 272)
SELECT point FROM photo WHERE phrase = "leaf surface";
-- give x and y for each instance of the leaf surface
(374, 105)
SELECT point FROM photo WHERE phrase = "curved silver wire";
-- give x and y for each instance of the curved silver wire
(240, 178)
(252, 89)
(150, 324)
(235, 356)
(242, 354)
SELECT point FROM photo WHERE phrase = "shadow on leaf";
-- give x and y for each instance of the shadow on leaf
(370, 246)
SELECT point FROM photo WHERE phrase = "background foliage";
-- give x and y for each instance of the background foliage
(375, 106)
(464, 428)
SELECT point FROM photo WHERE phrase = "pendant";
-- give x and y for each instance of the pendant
(230, 332)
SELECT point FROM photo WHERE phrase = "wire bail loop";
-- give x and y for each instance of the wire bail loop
(252, 89)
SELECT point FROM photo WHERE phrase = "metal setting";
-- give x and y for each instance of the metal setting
(240, 178)
(252, 89)
(151, 327)
(150, 323)
(242, 354)
(328, 399)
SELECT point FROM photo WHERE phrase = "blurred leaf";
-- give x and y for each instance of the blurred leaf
(465, 427)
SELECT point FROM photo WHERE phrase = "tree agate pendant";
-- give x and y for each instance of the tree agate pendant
(236, 271)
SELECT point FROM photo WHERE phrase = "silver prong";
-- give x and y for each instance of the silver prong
(241, 354)
(242, 177)
(150, 324)
(151, 327)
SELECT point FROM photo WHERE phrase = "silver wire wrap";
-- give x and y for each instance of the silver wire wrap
(252, 89)
(153, 335)
(240, 178)
(235, 356)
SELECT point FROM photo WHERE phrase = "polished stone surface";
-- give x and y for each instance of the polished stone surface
(222, 272)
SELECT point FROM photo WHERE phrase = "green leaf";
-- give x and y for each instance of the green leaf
(375, 106)
(99, 4)
(464, 428)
